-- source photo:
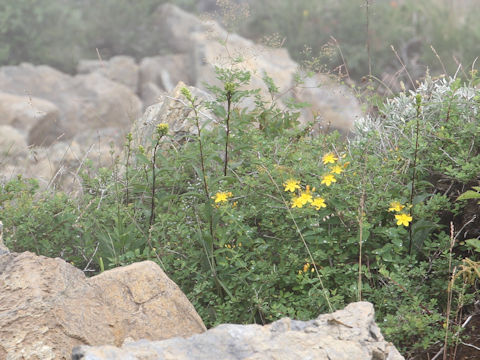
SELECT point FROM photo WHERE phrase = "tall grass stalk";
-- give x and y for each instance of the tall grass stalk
(154, 165)
(229, 88)
(414, 173)
(450, 290)
(367, 15)
(360, 241)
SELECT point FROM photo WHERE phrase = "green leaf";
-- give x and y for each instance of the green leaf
(469, 194)
(474, 243)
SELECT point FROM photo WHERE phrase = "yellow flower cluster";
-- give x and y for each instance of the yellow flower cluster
(162, 129)
(335, 169)
(307, 267)
(306, 197)
(401, 217)
(233, 246)
(222, 197)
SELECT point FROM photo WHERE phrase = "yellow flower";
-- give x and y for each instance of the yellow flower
(337, 169)
(222, 196)
(328, 179)
(403, 219)
(329, 158)
(306, 267)
(162, 129)
(395, 206)
(291, 185)
(306, 196)
(319, 203)
(297, 202)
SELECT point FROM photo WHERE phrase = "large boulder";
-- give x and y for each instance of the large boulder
(208, 46)
(333, 106)
(174, 110)
(121, 69)
(23, 112)
(346, 334)
(166, 71)
(13, 144)
(47, 307)
(85, 101)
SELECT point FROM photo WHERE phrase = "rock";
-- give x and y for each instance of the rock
(346, 334)
(173, 109)
(166, 71)
(24, 112)
(13, 144)
(48, 306)
(150, 94)
(85, 101)
(121, 69)
(178, 26)
(207, 46)
(3, 248)
(333, 106)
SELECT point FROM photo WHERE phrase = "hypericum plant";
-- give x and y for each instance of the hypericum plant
(242, 246)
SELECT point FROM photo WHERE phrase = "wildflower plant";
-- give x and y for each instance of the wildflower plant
(296, 226)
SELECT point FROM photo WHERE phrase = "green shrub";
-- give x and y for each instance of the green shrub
(41, 32)
(294, 223)
(411, 26)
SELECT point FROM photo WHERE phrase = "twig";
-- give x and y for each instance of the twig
(465, 323)
(403, 65)
(91, 258)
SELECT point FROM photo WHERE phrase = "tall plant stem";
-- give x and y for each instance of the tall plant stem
(229, 104)
(414, 173)
(202, 158)
(367, 6)
(154, 160)
(204, 178)
(127, 165)
(360, 241)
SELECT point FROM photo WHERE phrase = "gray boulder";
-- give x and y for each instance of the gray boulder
(208, 45)
(174, 110)
(166, 71)
(23, 111)
(84, 102)
(121, 69)
(13, 144)
(346, 334)
(47, 307)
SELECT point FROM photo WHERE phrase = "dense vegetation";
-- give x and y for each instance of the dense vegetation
(280, 222)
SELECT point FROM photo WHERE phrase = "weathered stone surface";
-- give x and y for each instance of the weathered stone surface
(173, 109)
(47, 307)
(178, 26)
(150, 94)
(166, 71)
(207, 45)
(13, 144)
(346, 334)
(121, 69)
(85, 101)
(333, 106)
(24, 112)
